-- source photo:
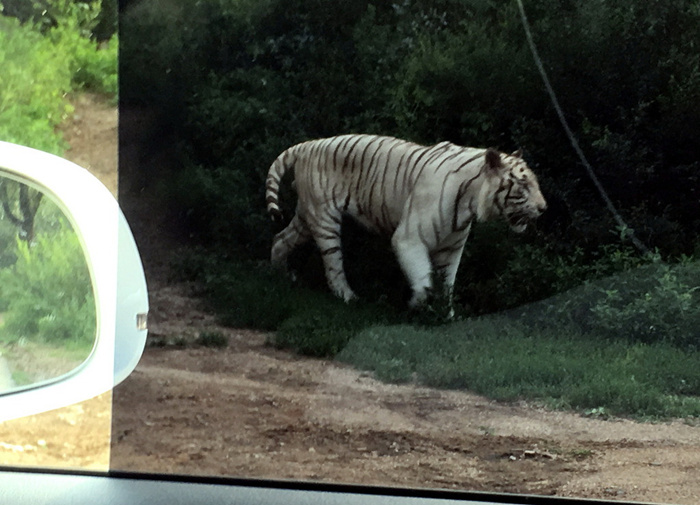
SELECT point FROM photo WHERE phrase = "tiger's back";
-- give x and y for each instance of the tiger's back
(363, 175)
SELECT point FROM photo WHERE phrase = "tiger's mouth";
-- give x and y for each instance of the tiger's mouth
(518, 222)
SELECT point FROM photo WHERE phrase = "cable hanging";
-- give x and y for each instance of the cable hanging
(627, 232)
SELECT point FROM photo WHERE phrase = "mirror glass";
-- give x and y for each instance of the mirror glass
(48, 318)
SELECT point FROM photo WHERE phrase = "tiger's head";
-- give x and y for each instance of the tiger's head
(518, 197)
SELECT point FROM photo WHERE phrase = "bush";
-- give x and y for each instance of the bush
(44, 60)
(49, 292)
(33, 84)
(662, 309)
(212, 339)
(92, 67)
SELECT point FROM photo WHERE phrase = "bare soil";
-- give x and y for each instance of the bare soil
(250, 410)
(92, 137)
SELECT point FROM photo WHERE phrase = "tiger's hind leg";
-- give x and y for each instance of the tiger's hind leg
(294, 235)
(326, 233)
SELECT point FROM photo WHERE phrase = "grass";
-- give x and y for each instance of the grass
(507, 361)
(573, 351)
(254, 295)
(212, 339)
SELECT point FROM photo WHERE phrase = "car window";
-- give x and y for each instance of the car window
(559, 359)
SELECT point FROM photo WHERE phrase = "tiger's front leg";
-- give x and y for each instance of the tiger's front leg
(414, 259)
(447, 256)
(446, 262)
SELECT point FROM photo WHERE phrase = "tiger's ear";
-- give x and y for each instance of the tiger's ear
(493, 160)
(517, 154)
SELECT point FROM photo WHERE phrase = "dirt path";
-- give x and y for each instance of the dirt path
(249, 410)
(92, 137)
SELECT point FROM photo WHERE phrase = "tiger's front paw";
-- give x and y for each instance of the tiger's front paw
(347, 295)
(350, 297)
(418, 299)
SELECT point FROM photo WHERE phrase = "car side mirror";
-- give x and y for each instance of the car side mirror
(73, 297)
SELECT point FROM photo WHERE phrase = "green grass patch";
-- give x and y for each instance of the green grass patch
(507, 361)
(212, 339)
(32, 361)
(255, 295)
(326, 327)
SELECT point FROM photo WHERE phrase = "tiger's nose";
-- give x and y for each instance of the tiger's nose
(542, 207)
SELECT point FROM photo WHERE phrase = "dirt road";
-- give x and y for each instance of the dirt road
(250, 410)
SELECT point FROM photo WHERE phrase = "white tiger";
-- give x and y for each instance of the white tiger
(425, 197)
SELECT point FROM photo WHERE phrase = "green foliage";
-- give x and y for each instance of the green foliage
(48, 292)
(239, 81)
(43, 59)
(8, 243)
(651, 303)
(663, 308)
(91, 66)
(95, 68)
(32, 88)
(212, 339)
(312, 322)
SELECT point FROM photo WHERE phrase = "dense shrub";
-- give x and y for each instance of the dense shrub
(239, 81)
(44, 58)
(662, 309)
(48, 292)
(32, 88)
(652, 303)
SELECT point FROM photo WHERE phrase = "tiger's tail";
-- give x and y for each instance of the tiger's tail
(279, 167)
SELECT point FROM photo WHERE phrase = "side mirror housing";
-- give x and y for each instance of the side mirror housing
(116, 273)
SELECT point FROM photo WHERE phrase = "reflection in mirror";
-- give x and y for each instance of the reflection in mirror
(47, 307)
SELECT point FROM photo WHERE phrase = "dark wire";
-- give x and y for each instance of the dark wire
(626, 231)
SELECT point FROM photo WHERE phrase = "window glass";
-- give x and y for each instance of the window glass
(564, 359)
(569, 366)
